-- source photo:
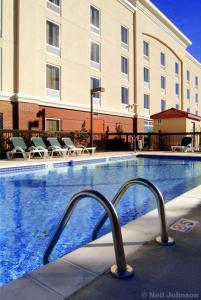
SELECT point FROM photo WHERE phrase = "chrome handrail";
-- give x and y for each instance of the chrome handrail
(121, 269)
(162, 239)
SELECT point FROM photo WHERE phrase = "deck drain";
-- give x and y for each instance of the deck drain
(184, 225)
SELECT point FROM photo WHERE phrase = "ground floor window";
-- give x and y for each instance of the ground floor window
(148, 126)
(52, 124)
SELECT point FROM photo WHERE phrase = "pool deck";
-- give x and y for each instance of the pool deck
(160, 272)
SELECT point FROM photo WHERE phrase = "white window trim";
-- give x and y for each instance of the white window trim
(145, 56)
(123, 105)
(163, 67)
(124, 45)
(177, 74)
(55, 119)
(177, 95)
(188, 79)
(163, 89)
(146, 83)
(196, 84)
(125, 76)
(48, 89)
(50, 46)
(96, 101)
(94, 29)
(53, 4)
(146, 110)
(94, 65)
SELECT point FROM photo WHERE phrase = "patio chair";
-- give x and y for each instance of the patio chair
(39, 143)
(19, 147)
(185, 145)
(77, 149)
(55, 146)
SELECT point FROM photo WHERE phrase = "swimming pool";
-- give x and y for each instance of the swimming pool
(32, 203)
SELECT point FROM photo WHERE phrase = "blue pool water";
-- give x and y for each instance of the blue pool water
(32, 203)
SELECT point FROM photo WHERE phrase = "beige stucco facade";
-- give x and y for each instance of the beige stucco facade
(25, 56)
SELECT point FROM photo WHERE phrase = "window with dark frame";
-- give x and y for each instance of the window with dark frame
(94, 17)
(124, 95)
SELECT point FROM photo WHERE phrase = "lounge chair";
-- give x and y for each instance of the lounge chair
(19, 147)
(185, 145)
(79, 148)
(39, 143)
(55, 146)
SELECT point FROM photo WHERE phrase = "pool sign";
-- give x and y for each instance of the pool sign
(184, 225)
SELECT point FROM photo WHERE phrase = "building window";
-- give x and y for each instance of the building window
(177, 106)
(176, 68)
(163, 82)
(146, 75)
(52, 81)
(146, 49)
(177, 89)
(54, 5)
(146, 105)
(162, 59)
(163, 105)
(124, 37)
(124, 67)
(148, 126)
(196, 81)
(188, 110)
(52, 124)
(95, 55)
(188, 75)
(196, 112)
(124, 97)
(52, 38)
(95, 82)
(188, 94)
(94, 19)
(196, 98)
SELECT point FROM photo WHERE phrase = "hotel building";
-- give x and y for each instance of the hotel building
(52, 52)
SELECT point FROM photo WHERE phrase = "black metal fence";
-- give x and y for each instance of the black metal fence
(107, 141)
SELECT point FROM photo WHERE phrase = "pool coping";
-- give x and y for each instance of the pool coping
(28, 165)
(82, 266)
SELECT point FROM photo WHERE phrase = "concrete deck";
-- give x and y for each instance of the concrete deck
(83, 274)
(160, 272)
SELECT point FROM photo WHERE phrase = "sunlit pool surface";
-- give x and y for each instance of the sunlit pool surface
(32, 203)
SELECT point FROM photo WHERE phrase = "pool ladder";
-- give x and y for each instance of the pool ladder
(121, 269)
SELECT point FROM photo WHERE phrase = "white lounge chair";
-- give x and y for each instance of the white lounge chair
(185, 145)
(55, 146)
(79, 148)
(19, 147)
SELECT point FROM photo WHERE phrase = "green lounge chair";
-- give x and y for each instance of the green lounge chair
(39, 143)
(55, 146)
(19, 147)
(79, 148)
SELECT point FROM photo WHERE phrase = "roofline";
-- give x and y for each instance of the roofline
(184, 114)
(192, 58)
(128, 5)
(166, 21)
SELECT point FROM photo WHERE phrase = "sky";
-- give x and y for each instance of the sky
(186, 15)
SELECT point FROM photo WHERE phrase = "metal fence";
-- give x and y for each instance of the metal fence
(107, 141)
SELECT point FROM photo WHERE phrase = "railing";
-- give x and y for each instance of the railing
(162, 239)
(121, 269)
(107, 141)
